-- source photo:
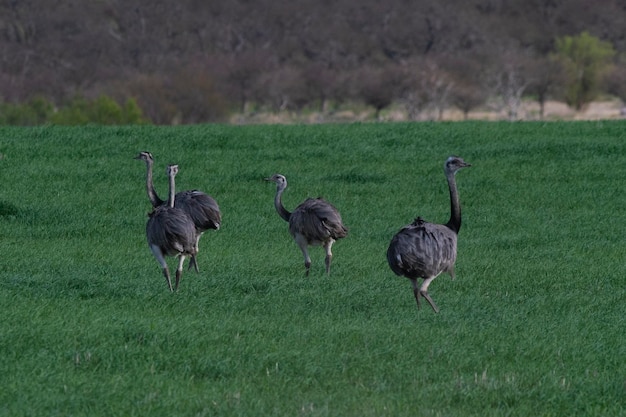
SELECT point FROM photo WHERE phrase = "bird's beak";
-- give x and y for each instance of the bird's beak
(137, 157)
(267, 179)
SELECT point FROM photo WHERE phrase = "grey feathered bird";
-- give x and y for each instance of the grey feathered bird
(425, 250)
(314, 222)
(201, 207)
(171, 232)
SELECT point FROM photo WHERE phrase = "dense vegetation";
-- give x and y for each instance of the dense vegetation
(80, 111)
(533, 324)
(194, 61)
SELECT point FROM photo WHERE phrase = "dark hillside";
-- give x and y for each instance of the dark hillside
(193, 61)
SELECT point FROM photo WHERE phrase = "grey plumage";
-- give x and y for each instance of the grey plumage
(201, 207)
(314, 222)
(425, 250)
(171, 232)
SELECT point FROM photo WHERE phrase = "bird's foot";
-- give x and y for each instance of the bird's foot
(193, 263)
(417, 298)
(430, 300)
(178, 276)
(166, 274)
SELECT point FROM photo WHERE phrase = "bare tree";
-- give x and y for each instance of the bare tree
(323, 84)
(615, 83)
(466, 97)
(467, 91)
(283, 89)
(545, 78)
(241, 74)
(437, 84)
(509, 81)
(378, 87)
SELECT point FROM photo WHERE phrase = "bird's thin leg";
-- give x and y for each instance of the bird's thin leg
(451, 272)
(156, 251)
(166, 274)
(193, 261)
(179, 271)
(303, 244)
(416, 292)
(424, 293)
(329, 254)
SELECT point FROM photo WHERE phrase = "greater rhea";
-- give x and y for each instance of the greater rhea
(314, 222)
(171, 232)
(425, 250)
(201, 207)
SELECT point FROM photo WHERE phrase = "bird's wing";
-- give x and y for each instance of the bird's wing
(317, 219)
(172, 230)
(201, 207)
(422, 250)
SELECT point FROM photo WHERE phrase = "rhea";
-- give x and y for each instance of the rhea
(201, 207)
(315, 222)
(425, 250)
(171, 232)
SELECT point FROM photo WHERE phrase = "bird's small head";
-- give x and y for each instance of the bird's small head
(453, 164)
(172, 170)
(280, 180)
(145, 156)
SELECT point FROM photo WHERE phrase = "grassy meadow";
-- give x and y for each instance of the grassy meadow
(534, 324)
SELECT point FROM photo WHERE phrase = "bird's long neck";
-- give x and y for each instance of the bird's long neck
(172, 191)
(455, 206)
(278, 203)
(152, 195)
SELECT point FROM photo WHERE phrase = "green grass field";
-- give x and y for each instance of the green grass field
(534, 324)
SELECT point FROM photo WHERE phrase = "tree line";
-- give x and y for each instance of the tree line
(194, 61)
